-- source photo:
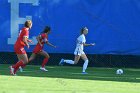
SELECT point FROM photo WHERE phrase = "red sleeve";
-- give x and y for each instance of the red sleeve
(26, 33)
(43, 36)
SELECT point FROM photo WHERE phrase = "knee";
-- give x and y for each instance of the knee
(31, 59)
(75, 62)
(25, 61)
(86, 60)
(47, 56)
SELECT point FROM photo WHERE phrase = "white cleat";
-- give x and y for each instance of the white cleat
(43, 69)
(12, 71)
(84, 73)
(20, 69)
(61, 63)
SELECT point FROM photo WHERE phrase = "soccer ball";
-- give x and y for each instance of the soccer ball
(119, 72)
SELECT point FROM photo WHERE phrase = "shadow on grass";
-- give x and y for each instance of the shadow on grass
(69, 72)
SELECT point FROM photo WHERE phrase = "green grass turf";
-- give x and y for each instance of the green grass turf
(68, 79)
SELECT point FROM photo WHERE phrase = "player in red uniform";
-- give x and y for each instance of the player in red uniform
(38, 50)
(21, 42)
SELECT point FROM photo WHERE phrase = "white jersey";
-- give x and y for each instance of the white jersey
(79, 46)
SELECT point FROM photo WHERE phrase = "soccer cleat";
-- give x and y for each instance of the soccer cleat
(14, 74)
(84, 73)
(43, 69)
(20, 69)
(12, 71)
(61, 63)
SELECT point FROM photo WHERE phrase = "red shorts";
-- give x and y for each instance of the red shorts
(19, 49)
(37, 49)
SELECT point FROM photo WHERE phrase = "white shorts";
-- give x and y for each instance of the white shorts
(78, 52)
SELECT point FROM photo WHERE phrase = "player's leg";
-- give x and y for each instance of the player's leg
(77, 54)
(26, 61)
(84, 57)
(23, 59)
(76, 59)
(32, 57)
(20, 68)
(46, 55)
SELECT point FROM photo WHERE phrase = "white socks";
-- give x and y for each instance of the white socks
(72, 62)
(85, 65)
(69, 61)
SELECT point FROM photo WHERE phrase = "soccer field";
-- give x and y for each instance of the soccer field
(67, 79)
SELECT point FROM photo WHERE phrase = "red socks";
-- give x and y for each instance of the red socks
(20, 63)
(17, 65)
(44, 62)
(23, 65)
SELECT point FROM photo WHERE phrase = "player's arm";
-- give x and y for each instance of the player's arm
(48, 43)
(83, 42)
(25, 39)
(38, 39)
(92, 44)
(30, 41)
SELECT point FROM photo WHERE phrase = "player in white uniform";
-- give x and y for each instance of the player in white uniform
(81, 42)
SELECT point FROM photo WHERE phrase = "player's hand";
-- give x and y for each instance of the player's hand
(30, 41)
(92, 44)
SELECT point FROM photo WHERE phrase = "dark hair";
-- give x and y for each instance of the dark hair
(83, 29)
(47, 29)
(28, 23)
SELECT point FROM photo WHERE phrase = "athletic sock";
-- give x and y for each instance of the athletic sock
(85, 65)
(69, 61)
(17, 65)
(44, 62)
(23, 66)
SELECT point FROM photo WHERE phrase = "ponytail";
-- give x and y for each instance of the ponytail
(47, 29)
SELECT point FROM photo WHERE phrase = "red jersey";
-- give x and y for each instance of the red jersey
(23, 33)
(19, 45)
(43, 40)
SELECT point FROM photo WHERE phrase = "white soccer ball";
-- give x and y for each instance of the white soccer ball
(119, 72)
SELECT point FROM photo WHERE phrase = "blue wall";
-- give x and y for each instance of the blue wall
(114, 25)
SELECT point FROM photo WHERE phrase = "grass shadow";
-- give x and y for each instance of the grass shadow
(69, 72)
